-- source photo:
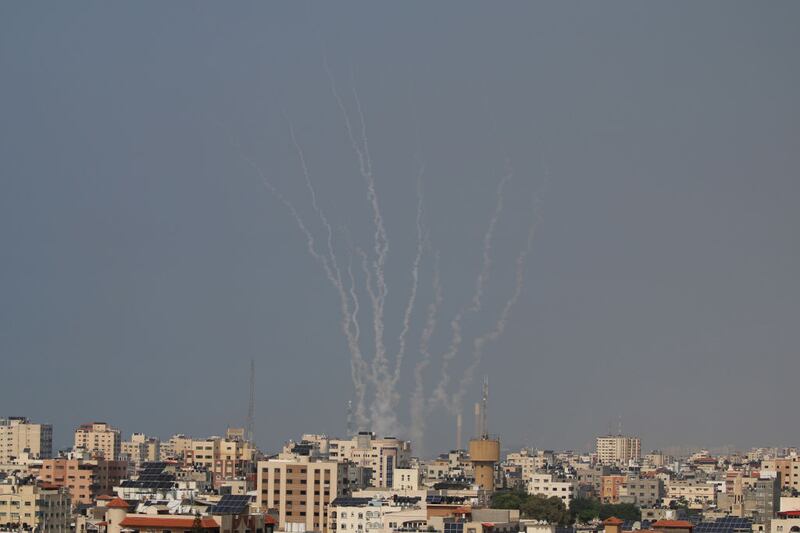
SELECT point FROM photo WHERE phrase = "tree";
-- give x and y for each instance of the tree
(584, 510)
(625, 511)
(508, 499)
(551, 509)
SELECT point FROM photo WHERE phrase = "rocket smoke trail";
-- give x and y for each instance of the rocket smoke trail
(418, 397)
(414, 282)
(480, 342)
(383, 419)
(440, 392)
(349, 322)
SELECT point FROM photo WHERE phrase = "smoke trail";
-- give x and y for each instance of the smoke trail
(352, 333)
(380, 370)
(480, 342)
(417, 430)
(381, 252)
(483, 277)
(360, 392)
(414, 282)
(440, 392)
(357, 363)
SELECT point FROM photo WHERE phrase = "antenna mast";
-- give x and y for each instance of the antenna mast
(484, 409)
(349, 418)
(251, 408)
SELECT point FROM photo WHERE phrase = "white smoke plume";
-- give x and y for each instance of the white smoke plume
(440, 392)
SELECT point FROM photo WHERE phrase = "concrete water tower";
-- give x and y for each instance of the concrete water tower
(484, 452)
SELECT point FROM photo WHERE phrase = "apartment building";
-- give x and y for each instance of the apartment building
(609, 488)
(531, 462)
(786, 468)
(85, 479)
(26, 505)
(381, 455)
(407, 479)
(300, 490)
(176, 447)
(98, 438)
(697, 494)
(377, 515)
(642, 492)
(141, 449)
(618, 449)
(655, 459)
(226, 459)
(547, 485)
(18, 436)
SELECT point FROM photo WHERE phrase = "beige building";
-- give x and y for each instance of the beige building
(378, 515)
(787, 468)
(618, 449)
(300, 490)
(531, 462)
(26, 505)
(99, 437)
(19, 436)
(383, 456)
(407, 479)
(545, 485)
(141, 449)
(84, 479)
(226, 459)
(698, 495)
(176, 447)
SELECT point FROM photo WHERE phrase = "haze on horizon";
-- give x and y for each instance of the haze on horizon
(143, 262)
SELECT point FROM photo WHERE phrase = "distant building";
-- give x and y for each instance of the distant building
(176, 447)
(610, 487)
(618, 449)
(300, 491)
(642, 492)
(18, 435)
(99, 438)
(226, 459)
(141, 449)
(377, 515)
(86, 479)
(382, 455)
(786, 468)
(25, 505)
(547, 485)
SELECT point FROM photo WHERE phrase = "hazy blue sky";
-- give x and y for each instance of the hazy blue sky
(143, 262)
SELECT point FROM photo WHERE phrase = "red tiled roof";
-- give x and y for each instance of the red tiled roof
(682, 524)
(117, 503)
(105, 497)
(462, 510)
(789, 514)
(165, 522)
(613, 521)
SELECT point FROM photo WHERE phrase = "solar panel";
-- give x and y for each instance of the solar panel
(231, 504)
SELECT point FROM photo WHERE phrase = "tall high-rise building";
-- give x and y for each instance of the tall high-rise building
(301, 490)
(618, 449)
(18, 436)
(99, 437)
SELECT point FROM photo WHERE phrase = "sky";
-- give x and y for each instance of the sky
(148, 253)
